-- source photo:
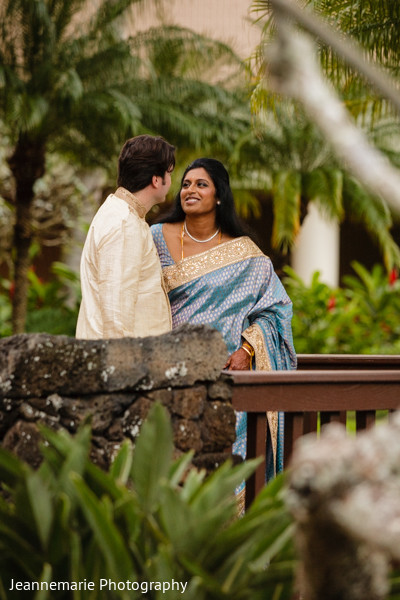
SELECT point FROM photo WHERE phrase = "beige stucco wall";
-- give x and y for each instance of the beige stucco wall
(226, 20)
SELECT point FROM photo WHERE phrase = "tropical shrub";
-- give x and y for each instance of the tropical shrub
(52, 306)
(149, 519)
(362, 317)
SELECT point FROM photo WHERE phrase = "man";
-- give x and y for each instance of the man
(122, 287)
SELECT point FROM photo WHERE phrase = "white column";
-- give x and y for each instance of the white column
(317, 248)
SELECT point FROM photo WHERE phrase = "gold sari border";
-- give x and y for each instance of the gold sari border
(201, 264)
(254, 336)
(241, 502)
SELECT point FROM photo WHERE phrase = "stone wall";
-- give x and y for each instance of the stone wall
(61, 382)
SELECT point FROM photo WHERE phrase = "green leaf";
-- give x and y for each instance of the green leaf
(109, 539)
(152, 457)
(122, 463)
(179, 467)
(179, 522)
(220, 486)
(277, 538)
(210, 583)
(46, 576)
(73, 452)
(40, 499)
(60, 538)
(20, 550)
(192, 484)
(102, 483)
(11, 468)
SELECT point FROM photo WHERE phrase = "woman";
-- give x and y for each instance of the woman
(217, 275)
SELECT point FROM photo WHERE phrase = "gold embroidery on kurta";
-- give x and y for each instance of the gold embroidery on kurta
(198, 265)
(131, 200)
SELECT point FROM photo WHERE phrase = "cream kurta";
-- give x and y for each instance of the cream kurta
(123, 292)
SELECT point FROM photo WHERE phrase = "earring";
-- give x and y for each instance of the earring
(218, 202)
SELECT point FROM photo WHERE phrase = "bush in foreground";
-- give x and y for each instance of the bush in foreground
(150, 519)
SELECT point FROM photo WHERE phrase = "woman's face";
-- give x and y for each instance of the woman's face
(198, 194)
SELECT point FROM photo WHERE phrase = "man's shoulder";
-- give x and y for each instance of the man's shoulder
(114, 209)
(113, 217)
(113, 201)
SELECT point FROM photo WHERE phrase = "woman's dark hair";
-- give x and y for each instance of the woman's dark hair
(141, 158)
(226, 215)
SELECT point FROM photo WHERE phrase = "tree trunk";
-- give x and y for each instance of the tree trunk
(27, 165)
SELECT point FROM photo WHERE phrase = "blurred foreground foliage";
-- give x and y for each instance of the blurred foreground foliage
(149, 518)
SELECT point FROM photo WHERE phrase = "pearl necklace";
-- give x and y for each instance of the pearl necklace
(200, 241)
(184, 229)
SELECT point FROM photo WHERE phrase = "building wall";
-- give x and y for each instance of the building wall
(225, 20)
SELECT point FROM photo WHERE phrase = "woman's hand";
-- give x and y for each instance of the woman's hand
(238, 361)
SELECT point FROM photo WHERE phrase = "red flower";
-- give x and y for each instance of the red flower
(331, 303)
(393, 275)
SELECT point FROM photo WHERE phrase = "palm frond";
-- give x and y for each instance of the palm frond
(173, 50)
(287, 187)
(247, 204)
(324, 186)
(374, 214)
(110, 11)
(374, 25)
(29, 112)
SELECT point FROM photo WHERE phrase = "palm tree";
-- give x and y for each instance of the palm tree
(375, 24)
(71, 82)
(190, 87)
(303, 167)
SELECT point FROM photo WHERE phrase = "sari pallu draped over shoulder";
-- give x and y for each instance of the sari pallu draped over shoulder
(234, 288)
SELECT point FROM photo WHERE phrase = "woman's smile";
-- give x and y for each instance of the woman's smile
(191, 200)
(198, 190)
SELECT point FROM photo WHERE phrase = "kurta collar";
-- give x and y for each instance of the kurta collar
(131, 199)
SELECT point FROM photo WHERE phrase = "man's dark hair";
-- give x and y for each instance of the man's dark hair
(141, 158)
(226, 216)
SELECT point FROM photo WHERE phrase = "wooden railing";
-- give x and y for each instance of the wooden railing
(328, 385)
(348, 361)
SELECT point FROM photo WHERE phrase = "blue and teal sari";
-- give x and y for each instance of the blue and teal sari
(234, 288)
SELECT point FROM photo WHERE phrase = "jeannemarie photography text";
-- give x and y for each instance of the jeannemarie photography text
(101, 584)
